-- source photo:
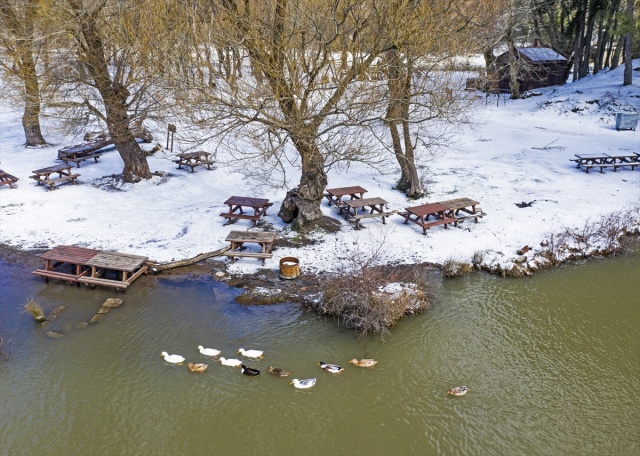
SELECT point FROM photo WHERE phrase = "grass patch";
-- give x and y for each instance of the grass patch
(35, 310)
(452, 269)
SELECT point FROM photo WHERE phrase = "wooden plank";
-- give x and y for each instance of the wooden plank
(230, 215)
(248, 254)
(56, 275)
(105, 282)
(116, 261)
(364, 202)
(247, 201)
(458, 203)
(70, 254)
(341, 191)
(426, 209)
(251, 236)
(53, 169)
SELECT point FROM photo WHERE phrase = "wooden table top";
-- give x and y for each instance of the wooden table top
(458, 203)
(246, 201)
(426, 209)
(52, 169)
(341, 191)
(70, 254)
(590, 156)
(251, 236)
(627, 155)
(116, 261)
(364, 202)
(198, 154)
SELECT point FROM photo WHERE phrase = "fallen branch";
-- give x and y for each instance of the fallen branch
(159, 267)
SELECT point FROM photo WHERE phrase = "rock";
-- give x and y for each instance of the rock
(112, 302)
(82, 324)
(288, 209)
(521, 259)
(54, 334)
(523, 250)
(544, 243)
(54, 313)
(104, 309)
(219, 274)
(96, 318)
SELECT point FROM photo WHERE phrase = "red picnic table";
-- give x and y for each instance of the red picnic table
(334, 195)
(420, 215)
(236, 211)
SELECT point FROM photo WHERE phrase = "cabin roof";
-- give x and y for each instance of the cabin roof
(541, 54)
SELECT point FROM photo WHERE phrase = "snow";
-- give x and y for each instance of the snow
(513, 153)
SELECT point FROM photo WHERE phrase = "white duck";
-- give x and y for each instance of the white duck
(251, 353)
(173, 359)
(303, 384)
(230, 362)
(208, 351)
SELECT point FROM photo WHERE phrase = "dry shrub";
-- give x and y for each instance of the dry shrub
(35, 310)
(606, 236)
(368, 297)
(452, 268)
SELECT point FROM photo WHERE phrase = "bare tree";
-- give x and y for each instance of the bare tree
(628, 69)
(20, 43)
(103, 70)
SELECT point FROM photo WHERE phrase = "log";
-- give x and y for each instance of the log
(159, 267)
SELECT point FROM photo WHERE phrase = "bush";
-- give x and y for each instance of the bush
(453, 269)
(368, 297)
(35, 310)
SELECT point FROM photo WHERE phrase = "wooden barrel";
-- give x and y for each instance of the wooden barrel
(289, 268)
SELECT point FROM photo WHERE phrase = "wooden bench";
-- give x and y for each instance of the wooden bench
(631, 165)
(420, 216)
(55, 275)
(51, 182)
(229, 216)
(77, 160)
(239, 238)
(106, 282)
(193, 159)
(7, 179)
(426, 225)
(248, 254)
(601, 166)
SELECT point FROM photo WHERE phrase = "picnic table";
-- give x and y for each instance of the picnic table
(43, 176)
(81, 152)
(89, 266)
(7, 179)
(465, 205)
(376, 209)
(334, 195)
(420, 215)
(193, 159)
(238, 238)
(238, 203)
(588, 161)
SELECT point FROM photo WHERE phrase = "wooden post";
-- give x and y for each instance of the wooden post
(171, 130)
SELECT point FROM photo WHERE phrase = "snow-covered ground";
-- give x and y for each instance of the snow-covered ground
(514, 153)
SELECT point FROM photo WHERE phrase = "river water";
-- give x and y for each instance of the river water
(552, 364)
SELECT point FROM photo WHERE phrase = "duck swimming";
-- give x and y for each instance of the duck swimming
(208, 351)
(198, 367)
(458, 391)
(230, 362)
(251, 353)
(250, 371)
(303, 384)
(277, 371)
(173, 359)
(333, 368)
(365, 362)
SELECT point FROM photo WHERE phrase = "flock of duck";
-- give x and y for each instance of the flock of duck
(255, 354)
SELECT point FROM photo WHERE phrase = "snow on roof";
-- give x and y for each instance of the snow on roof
(540, 54)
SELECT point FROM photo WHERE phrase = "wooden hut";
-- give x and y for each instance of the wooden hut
(537, 67)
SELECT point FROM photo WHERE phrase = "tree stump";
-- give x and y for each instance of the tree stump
(289, 209)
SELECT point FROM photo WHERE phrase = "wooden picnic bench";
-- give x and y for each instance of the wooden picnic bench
(86, 151)
(238, 238)
(43, 176)
(335, 195)
(465, 205)
(193, 159)
(7, 179)
(602, 161)
(420, 215)
(91, 267)
(236, 211)
(376, 209)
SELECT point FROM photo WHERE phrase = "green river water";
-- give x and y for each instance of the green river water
(552, 363)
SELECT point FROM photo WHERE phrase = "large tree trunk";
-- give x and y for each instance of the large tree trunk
(628, 70)
(313, 181)
(31, 116)
(114, 95)
(514, 64)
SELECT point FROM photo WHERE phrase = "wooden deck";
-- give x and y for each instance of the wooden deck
(91, 267)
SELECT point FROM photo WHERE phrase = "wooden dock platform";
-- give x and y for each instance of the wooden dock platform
(92, 267)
